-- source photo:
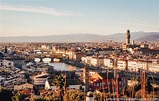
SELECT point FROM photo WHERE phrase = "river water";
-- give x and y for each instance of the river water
(58, 65)
(63, 66)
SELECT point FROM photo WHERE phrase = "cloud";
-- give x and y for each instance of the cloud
(130, 17)
(42, 10)
(138, 22)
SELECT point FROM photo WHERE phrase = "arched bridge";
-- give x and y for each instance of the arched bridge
(45, 56)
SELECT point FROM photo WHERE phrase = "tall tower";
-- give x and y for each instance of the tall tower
(127, 37)
(86, 78)
(5, 49)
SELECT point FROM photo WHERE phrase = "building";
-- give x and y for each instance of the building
(128, 44)
(104, 51)
(144, 45)
(155, 60)
(128, 37)
(108, 62)
(105, 81)
(133, 65)
(143, 64)
(23, 86)
(97, 61)
(13, 61)
(69, 54)
(72, 85)
(7, 63)
(122, 64)
(78, 56)
(40, 80)
(153, 67)
(86, 59)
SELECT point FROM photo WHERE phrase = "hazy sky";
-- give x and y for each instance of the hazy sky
(53, 17)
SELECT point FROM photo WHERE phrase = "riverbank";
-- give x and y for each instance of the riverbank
(79, 64)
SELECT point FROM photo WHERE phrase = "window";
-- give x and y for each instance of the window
(100, 84)
(97, 84)
(124, 80)
(119, 88)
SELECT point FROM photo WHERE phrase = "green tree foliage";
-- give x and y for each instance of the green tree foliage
(101, 96)
(74, 95)
(97, 96)
(81, 88)
(148, 85)
(19, 97)
(36, 90)
(138, 94)
(40, 99)
(5, 94)
(60, 82)
(137, 87)
(52, 97)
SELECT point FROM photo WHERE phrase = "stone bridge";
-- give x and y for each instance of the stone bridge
(43, 56)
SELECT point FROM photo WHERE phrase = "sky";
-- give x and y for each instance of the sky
(59, 17)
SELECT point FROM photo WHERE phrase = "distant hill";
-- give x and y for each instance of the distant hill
(54, 38)
(152, 36)
(137, 36)
(118, 37)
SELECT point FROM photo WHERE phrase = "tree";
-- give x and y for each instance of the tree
(36, 90)
(137, 87)
(148, 85)
(40, 99)
(81, 88)
(51, 96)
(5, 94)
(19, 97)
(138, 94)
(54, 97)
(60, 82)
(74, 95)
(97, 96)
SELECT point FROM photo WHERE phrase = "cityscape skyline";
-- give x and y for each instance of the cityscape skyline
(79, 50)
(39, 18)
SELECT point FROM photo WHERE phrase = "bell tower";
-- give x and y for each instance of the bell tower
(128, 37)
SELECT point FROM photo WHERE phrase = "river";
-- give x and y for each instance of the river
(63, 66)
(58, 65)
